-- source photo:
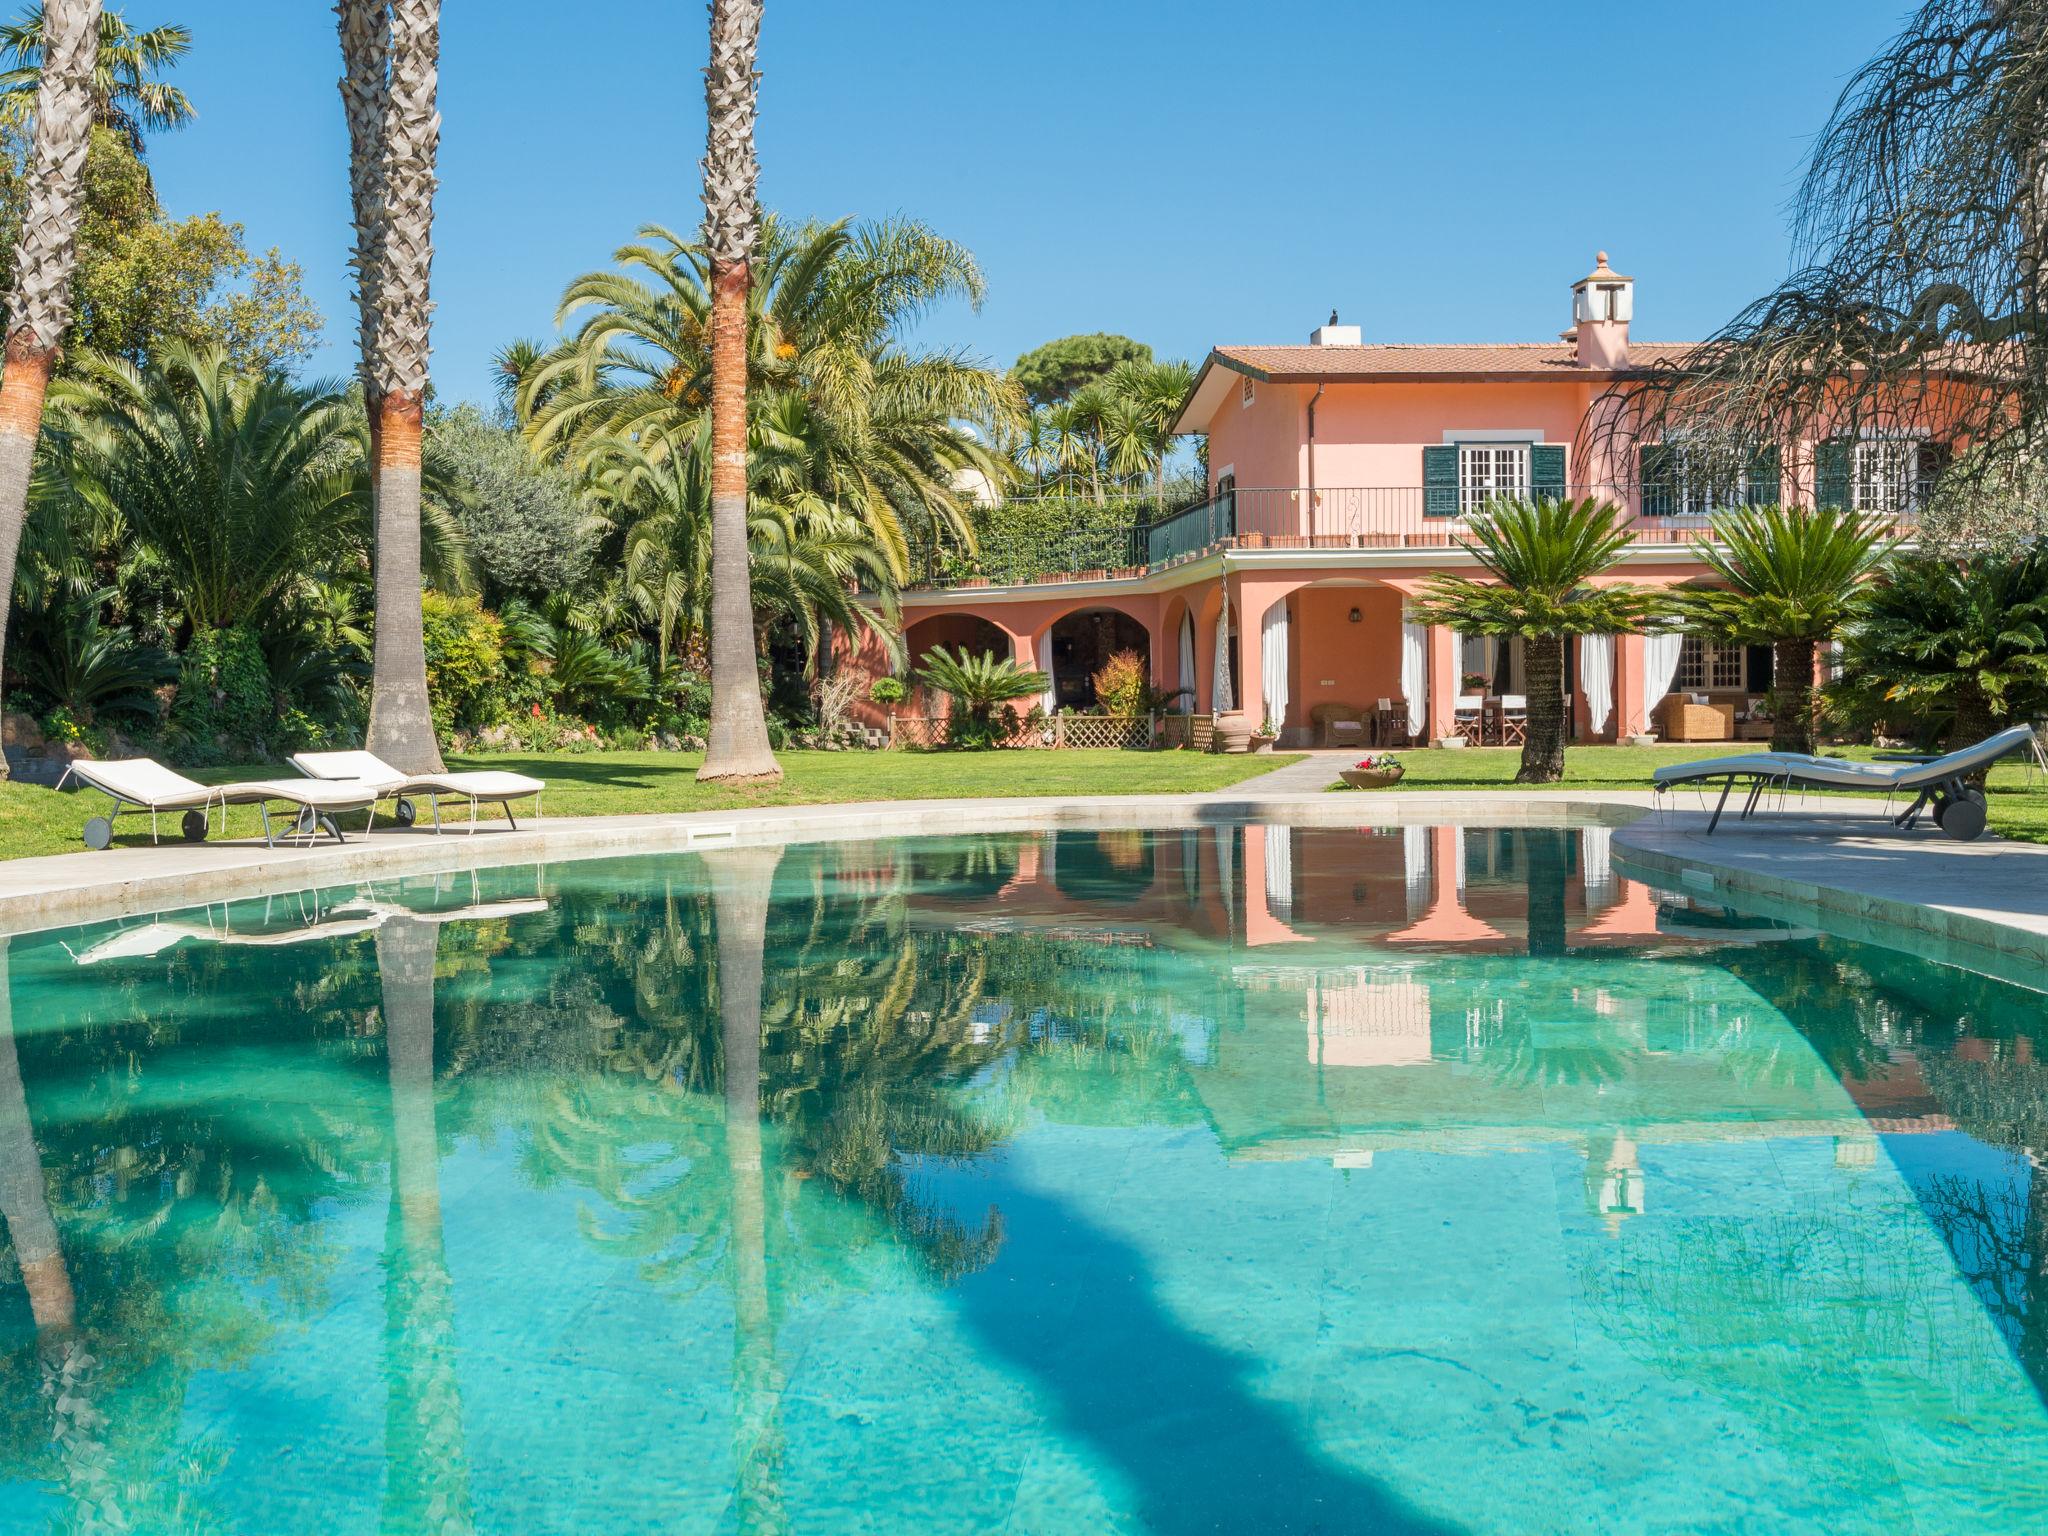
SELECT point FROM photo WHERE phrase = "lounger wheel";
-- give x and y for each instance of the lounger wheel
(194, 826)
(405, 811)
(1963, 817)
(99, 832)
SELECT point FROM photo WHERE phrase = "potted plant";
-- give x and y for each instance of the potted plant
(1264, 737)
(1376, 770)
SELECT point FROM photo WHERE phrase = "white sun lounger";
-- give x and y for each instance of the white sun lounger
(144, 784)
(1941, 781)
(486, 786)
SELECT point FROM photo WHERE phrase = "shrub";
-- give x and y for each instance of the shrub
(1121, 687)
(888, 690)
(465, 663)
(521, 518)
(224, 704)
(980, 688)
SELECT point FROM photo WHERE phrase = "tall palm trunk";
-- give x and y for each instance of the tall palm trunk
(70, 1370)
(426, 1484)
(742, 881)
(390, 55)
(1792, 695)
(1543, 750)
(737, 745)
(1546, 862)
(43, 258)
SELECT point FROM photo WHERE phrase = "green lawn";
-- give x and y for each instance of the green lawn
(2019, 801)
(34, 820)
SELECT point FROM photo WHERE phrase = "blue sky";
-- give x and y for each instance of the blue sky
(1186, 173)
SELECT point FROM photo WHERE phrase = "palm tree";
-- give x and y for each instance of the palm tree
(1960, 645)
(126, 95)
(978, 686)
(1793, 579)
(238, 483)
(1148, 399)
(809, 560)
(837, 406)
(43, 258)
(1542, 556)
(737, 746)
(390, 52)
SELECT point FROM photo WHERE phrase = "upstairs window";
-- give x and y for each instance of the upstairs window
(1882, 473)
(1696, 479)
(1487, 470)
(1885, 476)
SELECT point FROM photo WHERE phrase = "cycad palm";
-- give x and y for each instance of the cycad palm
(125, 94)
(40, 311)
(237, 483)
(1955, 645)
(1793, 578)
(1542, 556)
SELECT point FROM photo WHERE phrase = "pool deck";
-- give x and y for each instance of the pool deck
(1985, 903)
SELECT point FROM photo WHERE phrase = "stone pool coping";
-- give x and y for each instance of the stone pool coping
(1982, 904)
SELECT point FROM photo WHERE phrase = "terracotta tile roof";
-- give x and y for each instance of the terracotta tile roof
(1539, 359)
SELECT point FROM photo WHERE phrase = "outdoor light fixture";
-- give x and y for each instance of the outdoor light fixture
(1354, 615)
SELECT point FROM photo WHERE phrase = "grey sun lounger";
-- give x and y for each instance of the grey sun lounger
(144, 784)
(486, 786)
(1942, 782)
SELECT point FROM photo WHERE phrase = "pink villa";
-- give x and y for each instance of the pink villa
(1339, 473)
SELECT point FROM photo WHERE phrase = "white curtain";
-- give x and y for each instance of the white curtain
(1280, 871)
(1187, 663)
(1596, 678)
(1415, 867)
(1415, 673)
(1273, 663)
(1052, 694)
(1660, 670)
(1597, 858)
(1221, 700)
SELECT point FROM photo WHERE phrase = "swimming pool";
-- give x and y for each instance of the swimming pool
(1242, 1178)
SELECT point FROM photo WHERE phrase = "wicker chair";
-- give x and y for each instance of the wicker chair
(1338, 725)
(1680, 719)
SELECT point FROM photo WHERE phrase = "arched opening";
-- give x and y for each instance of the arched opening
(1110, 868)
(1082, 642)
(957, 632)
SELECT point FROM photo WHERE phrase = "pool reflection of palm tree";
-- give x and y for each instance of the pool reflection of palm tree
(742, 882)
(427, 1476)
(70, 1369)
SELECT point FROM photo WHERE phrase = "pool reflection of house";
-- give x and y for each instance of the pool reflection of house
(1376, 993)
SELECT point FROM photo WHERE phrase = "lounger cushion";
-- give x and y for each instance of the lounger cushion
(142, 781)
(1840, 773)
(368, 768)
(321, 794)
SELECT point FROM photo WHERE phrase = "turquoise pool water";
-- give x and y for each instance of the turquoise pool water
(1245, 1179)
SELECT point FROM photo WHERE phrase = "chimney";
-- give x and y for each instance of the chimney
(1602, 302)
(1335, 335)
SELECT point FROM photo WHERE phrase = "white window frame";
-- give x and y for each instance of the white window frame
(1490, 469)
(1874, 487)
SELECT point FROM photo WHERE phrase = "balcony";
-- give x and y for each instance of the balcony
(1336, 518)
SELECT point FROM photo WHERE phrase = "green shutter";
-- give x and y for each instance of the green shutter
(1440, 481)
(1831, 472)
(1761, 477)
(1546, 471)
(1659, 489)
